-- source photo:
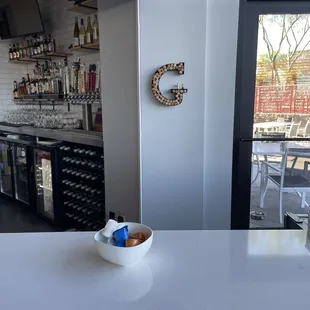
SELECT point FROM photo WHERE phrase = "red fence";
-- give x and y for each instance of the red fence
(283, 99)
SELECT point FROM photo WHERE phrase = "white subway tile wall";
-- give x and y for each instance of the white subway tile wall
(57, 21)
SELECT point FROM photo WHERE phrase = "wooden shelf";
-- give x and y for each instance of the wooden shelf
(23, 60)
(86, 7)
(44, 56)
(39, 101)
(86, 47)
(50, 55)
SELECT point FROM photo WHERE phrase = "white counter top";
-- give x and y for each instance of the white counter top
(183, 271)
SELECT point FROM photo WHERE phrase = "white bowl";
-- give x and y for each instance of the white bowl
(125, 256)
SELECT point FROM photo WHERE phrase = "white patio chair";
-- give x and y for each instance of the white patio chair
(293, 130)
(305, 132)
(274, 159)
(292, 176)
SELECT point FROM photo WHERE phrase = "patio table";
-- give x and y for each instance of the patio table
(270, 125)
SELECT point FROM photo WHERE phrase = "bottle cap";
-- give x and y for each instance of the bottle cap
(109, 229)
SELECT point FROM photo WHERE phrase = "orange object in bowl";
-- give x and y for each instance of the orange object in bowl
(132, 242)
(138, 235)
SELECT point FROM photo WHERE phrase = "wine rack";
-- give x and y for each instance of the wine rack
(82, 171)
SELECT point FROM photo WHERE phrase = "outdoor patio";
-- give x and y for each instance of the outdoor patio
(291, 203)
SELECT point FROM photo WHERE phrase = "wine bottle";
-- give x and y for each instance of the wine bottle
(82, 33)
(10, 52)
(38, 44)
(49, 44)
(15, 91)
(25, 49)
(28, 49)
(31, 50)
(14, 51)
(95, 30)
(76, 33)
(35, 52)
(45, 45)
(89, 32)
(18, 51)
(41, 44)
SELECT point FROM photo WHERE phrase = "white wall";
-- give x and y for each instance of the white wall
(119, 53)
(186, 151)
(8, 73)
(172, 138)
(221, 61)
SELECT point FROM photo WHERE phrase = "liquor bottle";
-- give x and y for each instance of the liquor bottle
(23, 86)
(14, 51)
(53, 45)
(82, 33)
(89, 32)
(25, 49)
(35, 50)
(31, 48)
(95, 30)
(28, 85)
(41, 44)
(28, 49)
(15, 91)
(17, 51)
(38, 46)
(45, 45)
(50, 44)
(11, 53)
(76, 33)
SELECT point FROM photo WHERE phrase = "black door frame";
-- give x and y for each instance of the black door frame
(244, 99)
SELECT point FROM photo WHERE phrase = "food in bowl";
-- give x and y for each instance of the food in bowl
(126, 256)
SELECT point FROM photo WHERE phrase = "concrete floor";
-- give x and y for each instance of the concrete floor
(16, 218)
(291, 203)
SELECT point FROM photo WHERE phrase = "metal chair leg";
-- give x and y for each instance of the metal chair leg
(303, 200)
(263, 185)
(281, 210)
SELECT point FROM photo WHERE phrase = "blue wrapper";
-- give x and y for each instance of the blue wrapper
(121, 234)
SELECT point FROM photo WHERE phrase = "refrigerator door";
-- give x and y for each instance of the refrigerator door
(21, 176)
(44, 184)
(6, 184)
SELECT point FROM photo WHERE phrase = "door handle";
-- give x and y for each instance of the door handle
(10, 157)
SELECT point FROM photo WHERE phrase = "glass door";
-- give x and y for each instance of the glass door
(44, 183)
(272, 114)
(6, 184)
(21, 175)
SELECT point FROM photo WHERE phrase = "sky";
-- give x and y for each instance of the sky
(274, 32)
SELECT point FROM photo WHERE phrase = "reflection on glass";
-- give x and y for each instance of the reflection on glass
(277, 242)
(5, 171)
(282, 108)
(44, 184)
(280, 181)
(21, 174)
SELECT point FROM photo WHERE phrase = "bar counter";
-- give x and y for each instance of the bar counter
(184, 270)
(91, 138)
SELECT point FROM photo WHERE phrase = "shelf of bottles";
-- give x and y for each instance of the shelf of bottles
(83, 186)
(45, 84)
(33, 49)
(85, 38)
(84, 84)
